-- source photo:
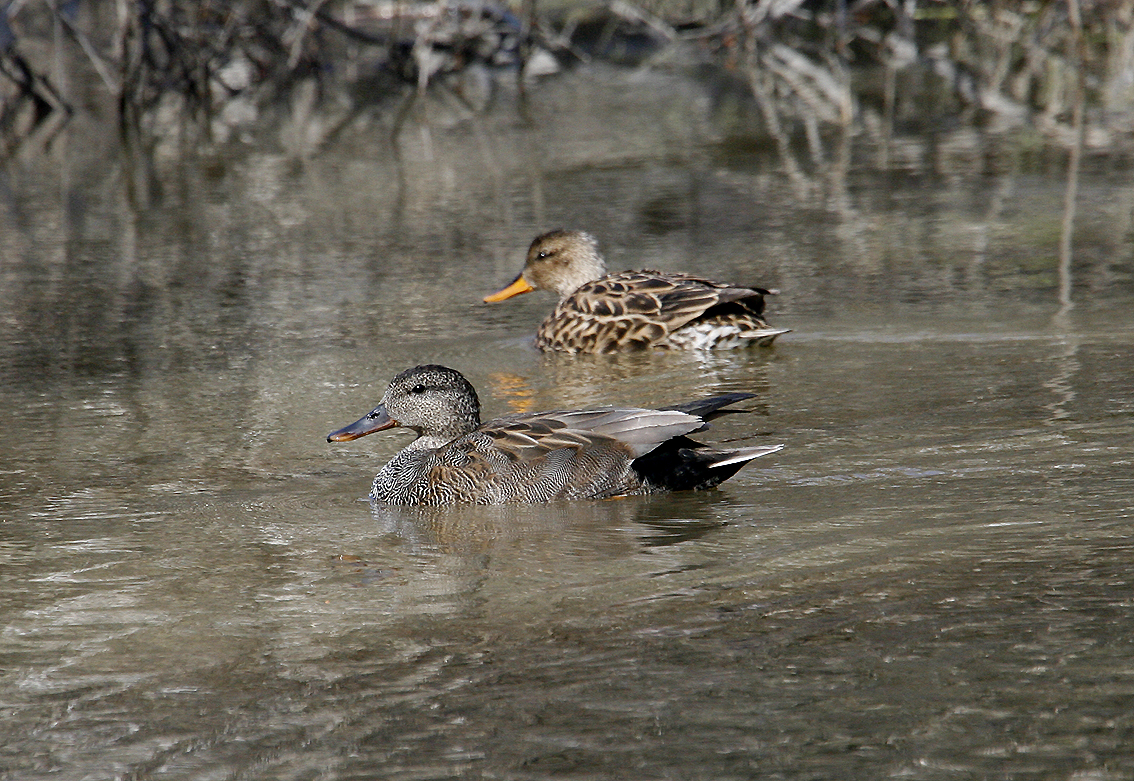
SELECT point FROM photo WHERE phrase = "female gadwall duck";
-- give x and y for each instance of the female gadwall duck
(632, 310)
(538, 457)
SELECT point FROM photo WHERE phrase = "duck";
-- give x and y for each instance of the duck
(538, 457)
(633, 310)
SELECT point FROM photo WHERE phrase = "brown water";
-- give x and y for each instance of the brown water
(932, 580)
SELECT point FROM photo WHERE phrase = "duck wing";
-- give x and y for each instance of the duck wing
(555, 455)
(636, 431)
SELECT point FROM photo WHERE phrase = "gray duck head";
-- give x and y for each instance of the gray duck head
(434, 401)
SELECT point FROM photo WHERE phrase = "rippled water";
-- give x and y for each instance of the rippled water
(931, 581)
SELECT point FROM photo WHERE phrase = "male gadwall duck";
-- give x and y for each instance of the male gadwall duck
(633, 310)
(537, 457)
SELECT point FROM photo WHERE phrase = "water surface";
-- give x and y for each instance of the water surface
(932, 580)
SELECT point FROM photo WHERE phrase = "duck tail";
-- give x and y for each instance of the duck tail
(741, 456)
(685, 465)
(712, 407)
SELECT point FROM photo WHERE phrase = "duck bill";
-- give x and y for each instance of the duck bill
(519, 285)
(377, 420)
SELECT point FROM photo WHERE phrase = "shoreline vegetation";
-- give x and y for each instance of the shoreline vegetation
(204, 71)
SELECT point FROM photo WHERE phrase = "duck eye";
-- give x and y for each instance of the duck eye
(417, 389)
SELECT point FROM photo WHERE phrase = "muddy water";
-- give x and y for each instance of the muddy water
(932, 580)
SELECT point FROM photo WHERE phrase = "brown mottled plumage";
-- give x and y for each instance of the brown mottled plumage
(540, 457)
(632, 310)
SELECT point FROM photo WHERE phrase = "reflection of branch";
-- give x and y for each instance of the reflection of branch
(776, 73)
(97, 60)
(299, 32)
(49, 111)
(39, 88)
(824, 94)
(768, 108)
(758, 12)
(334, 23)
(1073, 160)
(632, 13)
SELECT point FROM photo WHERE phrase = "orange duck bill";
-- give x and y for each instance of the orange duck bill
(377, 420)
(519, 285)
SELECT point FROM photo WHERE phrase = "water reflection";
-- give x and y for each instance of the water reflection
(612, 527)
(1062, 321)
(632, 379)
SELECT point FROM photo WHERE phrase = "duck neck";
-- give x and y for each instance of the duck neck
(460, 425)
(429, 442)
(589, 268)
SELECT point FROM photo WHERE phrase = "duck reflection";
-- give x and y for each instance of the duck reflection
(655, 378)
(589, 529)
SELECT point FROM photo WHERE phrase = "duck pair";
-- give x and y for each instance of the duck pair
(572, 454)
